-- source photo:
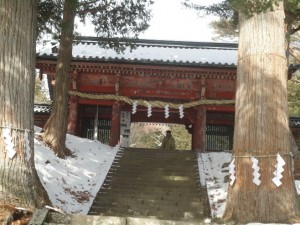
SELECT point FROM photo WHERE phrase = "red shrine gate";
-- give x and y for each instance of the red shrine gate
(144, 79)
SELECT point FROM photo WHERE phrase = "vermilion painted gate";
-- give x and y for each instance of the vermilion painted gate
(171, 72)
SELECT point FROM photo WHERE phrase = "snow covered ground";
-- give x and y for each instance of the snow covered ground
(73, 183)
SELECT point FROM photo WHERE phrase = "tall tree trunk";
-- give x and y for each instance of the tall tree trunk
(261, 123)
(19, 183)
(55, 129)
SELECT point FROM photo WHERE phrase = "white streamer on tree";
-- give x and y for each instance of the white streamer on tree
(256, 174)
(232, 172)
(278, 171)
(9, 145)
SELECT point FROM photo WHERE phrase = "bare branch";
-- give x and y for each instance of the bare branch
(294, 55)
(94, 9)
(87, 3)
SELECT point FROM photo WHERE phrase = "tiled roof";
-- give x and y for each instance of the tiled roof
(150, 51)
(42, 108)
(295, 122)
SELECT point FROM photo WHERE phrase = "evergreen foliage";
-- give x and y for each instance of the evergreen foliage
(294, 96)
(227, 11)
(182, 138)
(294, 88)
(111, 19)
(249, 8)
(142, 136)
(49, 17)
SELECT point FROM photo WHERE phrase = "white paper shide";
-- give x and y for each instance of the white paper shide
(256, 174)
(167, 113)
(9, 145)
(134, 106)
(149, 110)
(232, 171)
(278, 170)
(181, 113)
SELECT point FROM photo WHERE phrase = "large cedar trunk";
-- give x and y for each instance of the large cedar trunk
(55, 129)
(261, 123)
(19, 183)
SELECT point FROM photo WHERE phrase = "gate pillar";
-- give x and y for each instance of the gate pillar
(115, 124)
(199, 130)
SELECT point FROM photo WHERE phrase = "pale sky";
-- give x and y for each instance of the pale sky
(171, 21)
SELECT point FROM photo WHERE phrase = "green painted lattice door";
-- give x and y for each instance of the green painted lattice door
(219, 138)
(104, 126)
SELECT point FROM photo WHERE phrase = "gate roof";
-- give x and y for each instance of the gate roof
(162, 52)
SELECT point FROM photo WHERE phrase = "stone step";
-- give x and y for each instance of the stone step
(151, 150)
(160, 156)
(120, 202)
(139, 172)
(170, 214)
(159, 182)
(150, 174)
(139, 202)
(170, 197)
(156, 160)
(168, 175)
(146, 188)
(186, 169)
(183, 170)
(151, 164)
(156, 194)
(132, 206)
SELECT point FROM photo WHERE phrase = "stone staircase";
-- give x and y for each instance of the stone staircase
(153, 184)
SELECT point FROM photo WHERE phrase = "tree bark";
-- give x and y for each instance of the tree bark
(261, 123)
(19, 183)
(55, 129)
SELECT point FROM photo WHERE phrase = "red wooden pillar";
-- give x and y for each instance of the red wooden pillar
(199, 130)
(115, 124)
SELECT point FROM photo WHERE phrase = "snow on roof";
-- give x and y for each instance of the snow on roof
(151, 51)
(295, 122)
(42, 108)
